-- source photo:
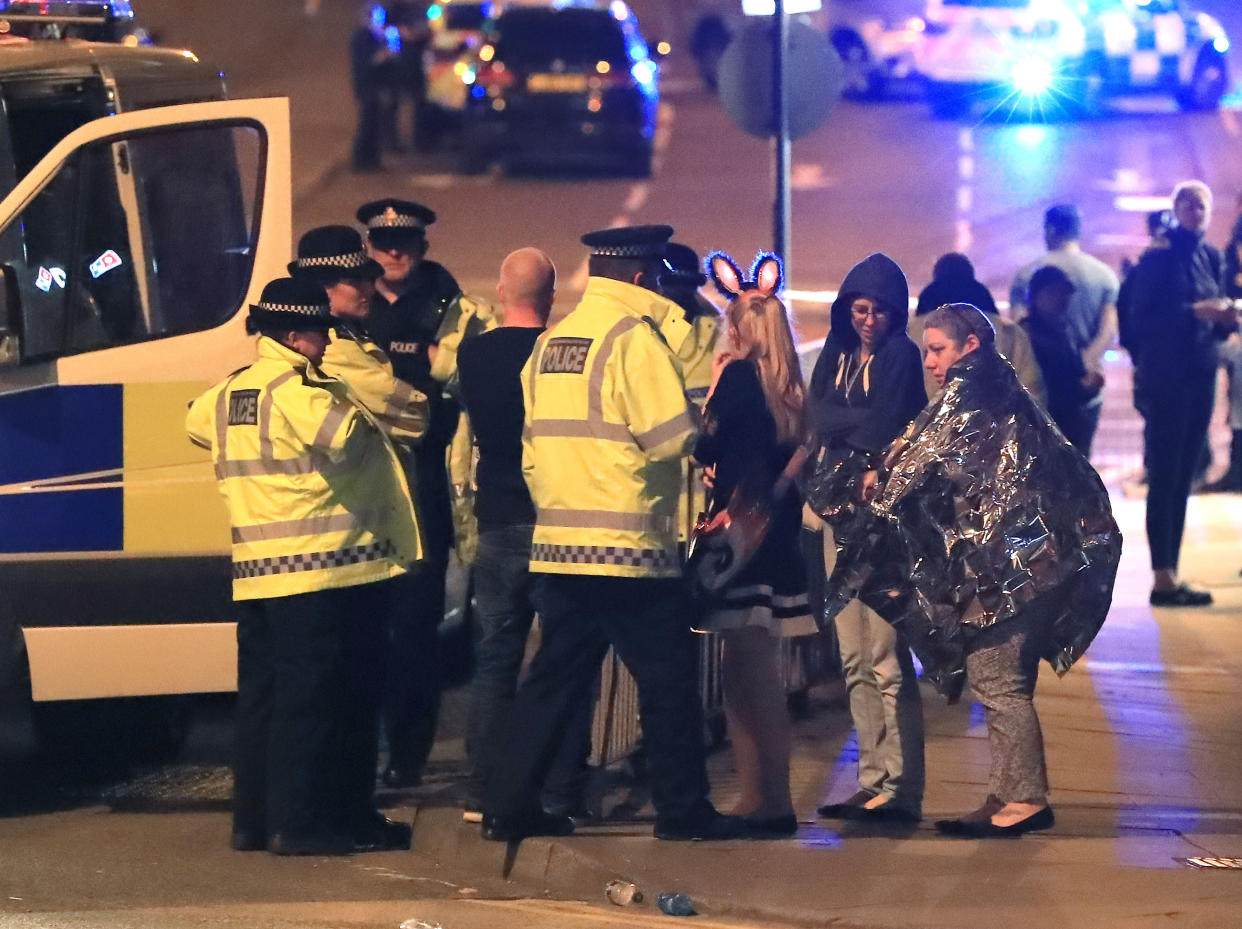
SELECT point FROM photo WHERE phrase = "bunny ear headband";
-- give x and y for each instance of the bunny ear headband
(766, 275)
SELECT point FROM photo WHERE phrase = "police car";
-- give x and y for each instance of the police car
(91, 20)
(1063, 57)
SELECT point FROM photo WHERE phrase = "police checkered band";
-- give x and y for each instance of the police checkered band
(644, 250)
(347, 262)
(391, 219)
(305, 309)
(291, 564)
(603, 555)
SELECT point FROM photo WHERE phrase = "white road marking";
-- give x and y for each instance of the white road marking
(963, 228)
(1141, 203)
(445, 181)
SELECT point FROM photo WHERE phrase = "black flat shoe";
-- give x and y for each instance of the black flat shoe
(518, 827)
(708, 827)
(1181, 595)
(771, 827)
(401, 777)
(310, 845)
(381, 834)
(244, 841)
(846, 809)
(888, 813)
(974, 829)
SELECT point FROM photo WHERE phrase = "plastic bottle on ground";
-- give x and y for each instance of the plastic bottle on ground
(623, 893)
(673, 904)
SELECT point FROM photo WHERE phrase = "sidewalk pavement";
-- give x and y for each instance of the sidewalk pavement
(1144, 746)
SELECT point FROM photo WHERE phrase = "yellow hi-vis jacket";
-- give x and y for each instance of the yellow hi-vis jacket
(696, 356)
(315, 492)
(607, 424)
(400, 408)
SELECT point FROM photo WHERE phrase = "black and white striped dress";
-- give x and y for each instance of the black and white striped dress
(741, 443)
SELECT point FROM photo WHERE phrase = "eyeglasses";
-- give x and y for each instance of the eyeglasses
(861, 311)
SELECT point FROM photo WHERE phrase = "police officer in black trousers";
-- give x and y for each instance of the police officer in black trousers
(407, 311)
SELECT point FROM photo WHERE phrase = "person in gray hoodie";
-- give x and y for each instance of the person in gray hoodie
(866, 388)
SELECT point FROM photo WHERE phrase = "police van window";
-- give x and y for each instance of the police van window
(140, 238)
(41, 113)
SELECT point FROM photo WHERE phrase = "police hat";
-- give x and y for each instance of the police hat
(682, 266)
(629, 242)
(291, 304)
(394, 223)
(330, 253)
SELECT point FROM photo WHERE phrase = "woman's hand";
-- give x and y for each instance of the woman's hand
(1214, 310)
(709, 477)
(870, 487)
(718, 365)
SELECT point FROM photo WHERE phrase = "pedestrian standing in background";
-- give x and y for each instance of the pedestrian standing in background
(753, 427)
(1231, 358)
(866, 388)
(369, 60)
(321, 521)
(1092, 318)
(607, 426)
(1178, 317)
(489, 377)
(408, 76)
(1072, 392)
(953, 281)
(412, 298)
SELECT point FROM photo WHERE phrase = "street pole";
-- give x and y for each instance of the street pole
(781, 144)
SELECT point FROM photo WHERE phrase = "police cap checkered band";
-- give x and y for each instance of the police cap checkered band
(629, 241)
(317, 309)
(395, 214)
(297, 304)
(349, 262)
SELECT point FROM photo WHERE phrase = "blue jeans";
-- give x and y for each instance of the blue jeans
(503, 612)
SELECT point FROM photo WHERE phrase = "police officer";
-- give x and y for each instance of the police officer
(680, 282)
(333, 257)
(369, 64)
(413, 297)
(607, 424)
(321, 521)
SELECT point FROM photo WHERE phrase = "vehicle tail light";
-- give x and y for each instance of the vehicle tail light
(495, 76)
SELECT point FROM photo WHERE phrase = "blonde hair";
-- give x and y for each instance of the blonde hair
(765, 336)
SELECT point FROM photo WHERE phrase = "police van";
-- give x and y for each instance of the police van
(1064, 57)
(142, 211)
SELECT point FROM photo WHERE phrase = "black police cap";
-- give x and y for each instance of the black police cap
(392, 221)
(629, 242)
(329, 253)
(291, 304)
(683, 265)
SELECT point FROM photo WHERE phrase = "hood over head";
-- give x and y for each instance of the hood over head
(879, 277)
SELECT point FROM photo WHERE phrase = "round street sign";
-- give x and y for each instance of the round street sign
(813, 71)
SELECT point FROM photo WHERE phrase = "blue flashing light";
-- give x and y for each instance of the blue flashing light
(379, 16)
(478, 92)
(435, 11)
(1221, 44)
(1032, 76)
(644, 72)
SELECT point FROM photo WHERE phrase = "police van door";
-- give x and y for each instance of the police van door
(131, 251)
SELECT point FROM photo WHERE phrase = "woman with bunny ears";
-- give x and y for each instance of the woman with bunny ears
(753, 430)
(866, 388)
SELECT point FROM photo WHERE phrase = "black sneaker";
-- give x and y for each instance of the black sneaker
(514, 828)
(707, 827)
(1181, 595)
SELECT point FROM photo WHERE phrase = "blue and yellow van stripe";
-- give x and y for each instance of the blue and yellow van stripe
(106, 468)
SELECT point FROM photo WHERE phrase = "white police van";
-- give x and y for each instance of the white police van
(141, 212)
(1054, 58)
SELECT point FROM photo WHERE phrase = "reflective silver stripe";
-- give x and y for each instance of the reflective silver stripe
(265, 414)
(531, 379)
(398, 404)
(682, 422)
(603, 519)
(258, 467)
(595, 385)
(222, 424)
(331, 423)
(604, 555)
(315, 525)
(577, 429)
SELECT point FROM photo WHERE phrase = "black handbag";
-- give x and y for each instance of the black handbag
(721, 546)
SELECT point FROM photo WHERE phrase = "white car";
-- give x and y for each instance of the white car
(1062, 57)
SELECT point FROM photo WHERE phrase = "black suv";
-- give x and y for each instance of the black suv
(567, 84)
